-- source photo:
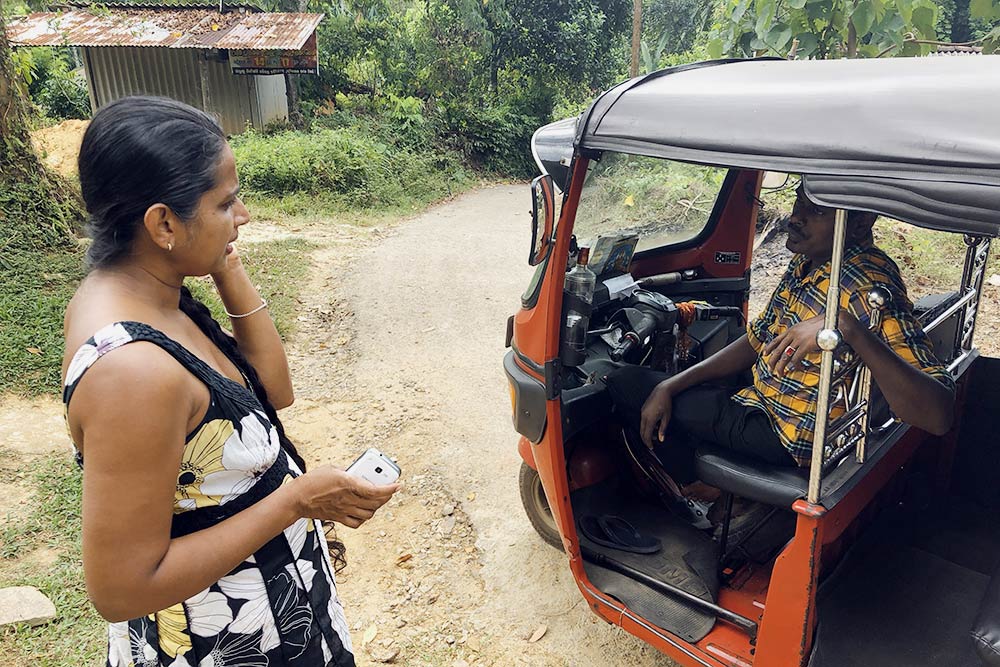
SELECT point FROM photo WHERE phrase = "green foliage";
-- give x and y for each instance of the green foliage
(347, 166)
(673, 26)
(54, 82)
(825, 28)
(443, 71)
(988, 11)
(496, 138)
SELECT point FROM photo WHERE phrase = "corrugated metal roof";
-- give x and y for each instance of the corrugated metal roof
(168, 28)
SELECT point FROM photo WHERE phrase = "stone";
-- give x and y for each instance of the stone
(25, 604)
(447, 510)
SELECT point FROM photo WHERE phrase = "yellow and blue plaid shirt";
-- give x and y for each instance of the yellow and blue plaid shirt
(790, 400)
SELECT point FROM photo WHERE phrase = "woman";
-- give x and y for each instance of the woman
(201, 534)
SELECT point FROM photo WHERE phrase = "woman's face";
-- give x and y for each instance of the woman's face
(217, 220)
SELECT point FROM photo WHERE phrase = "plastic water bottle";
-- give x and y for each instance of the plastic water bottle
(580, 282)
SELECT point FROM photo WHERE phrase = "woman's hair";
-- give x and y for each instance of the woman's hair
(139, 151)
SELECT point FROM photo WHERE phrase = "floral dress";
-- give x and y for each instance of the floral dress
(280, 606)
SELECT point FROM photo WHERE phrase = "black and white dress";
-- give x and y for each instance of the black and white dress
(280, 606)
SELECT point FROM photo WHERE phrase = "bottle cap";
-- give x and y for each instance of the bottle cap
(583, 256)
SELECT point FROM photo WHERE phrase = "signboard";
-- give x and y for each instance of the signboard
(303, 61)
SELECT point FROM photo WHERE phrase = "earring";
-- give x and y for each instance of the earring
(170, 247)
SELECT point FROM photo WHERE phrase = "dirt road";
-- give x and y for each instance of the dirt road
(401, 348)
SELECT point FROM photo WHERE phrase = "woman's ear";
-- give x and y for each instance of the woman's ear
(161, 225)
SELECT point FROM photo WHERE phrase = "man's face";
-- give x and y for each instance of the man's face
(810, 229)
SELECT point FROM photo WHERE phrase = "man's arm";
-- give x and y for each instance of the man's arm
(914, 396)
(736, 357)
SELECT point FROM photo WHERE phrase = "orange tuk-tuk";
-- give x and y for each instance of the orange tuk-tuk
(884, 549)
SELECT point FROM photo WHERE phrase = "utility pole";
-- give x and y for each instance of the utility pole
(636, 35)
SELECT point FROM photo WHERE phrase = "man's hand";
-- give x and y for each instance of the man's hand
(786, 351)
(656, 413)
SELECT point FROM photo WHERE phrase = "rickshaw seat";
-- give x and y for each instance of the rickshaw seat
(751, 478)
(986, 629)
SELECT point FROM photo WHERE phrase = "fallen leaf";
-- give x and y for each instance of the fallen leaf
(34, 350)
(369, 634)
(538, 634)
(402, 559)
(629, 201)
(215, 27)
(176, 34)
(471, 496)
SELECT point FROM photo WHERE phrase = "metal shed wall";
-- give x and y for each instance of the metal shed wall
(115, 72)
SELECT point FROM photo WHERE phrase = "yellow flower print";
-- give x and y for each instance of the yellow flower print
(171, 625)
(202, 456)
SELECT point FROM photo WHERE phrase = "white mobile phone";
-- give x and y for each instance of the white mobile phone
(375, 467)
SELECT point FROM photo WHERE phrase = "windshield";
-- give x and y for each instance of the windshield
(663, 202)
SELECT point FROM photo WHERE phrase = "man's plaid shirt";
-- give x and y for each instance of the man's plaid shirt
(790, 401)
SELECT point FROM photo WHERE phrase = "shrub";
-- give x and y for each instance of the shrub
(65, 96)
(496, 138)
(343, 164)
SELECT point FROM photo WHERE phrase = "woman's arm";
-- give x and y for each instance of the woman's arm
(256, 336)
(131, 564)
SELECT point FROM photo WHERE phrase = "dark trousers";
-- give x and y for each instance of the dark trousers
(700, 414)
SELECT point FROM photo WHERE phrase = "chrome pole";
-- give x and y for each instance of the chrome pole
(878, 298)
(828, 340)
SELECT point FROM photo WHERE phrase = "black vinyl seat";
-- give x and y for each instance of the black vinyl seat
(751, 478)
(986, 630)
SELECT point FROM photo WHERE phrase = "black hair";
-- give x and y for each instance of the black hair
(139, 151)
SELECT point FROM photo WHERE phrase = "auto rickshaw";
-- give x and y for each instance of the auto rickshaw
(885, 549)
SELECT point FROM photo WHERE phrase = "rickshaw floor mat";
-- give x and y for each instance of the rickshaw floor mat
(898, 606)
(687, 561)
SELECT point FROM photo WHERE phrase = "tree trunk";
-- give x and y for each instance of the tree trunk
(295, 116)
(636, 36)
(17, 155)
(961, 31)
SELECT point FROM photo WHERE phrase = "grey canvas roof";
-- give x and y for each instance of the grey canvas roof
(917, 139)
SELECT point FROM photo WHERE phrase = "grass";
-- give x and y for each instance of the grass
(77, 636)
(35, 288)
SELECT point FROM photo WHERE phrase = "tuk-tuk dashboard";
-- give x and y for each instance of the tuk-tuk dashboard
(664, 339)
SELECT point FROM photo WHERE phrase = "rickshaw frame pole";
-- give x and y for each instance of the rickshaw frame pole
(826, 365)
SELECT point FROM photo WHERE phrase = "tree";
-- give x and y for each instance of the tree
(989, 11)
(36, 213)
(827, 28)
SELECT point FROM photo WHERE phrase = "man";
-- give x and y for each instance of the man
(774, 418)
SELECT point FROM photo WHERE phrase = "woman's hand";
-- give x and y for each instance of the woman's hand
(656, 413)
(786, 351)
(234, 265)
(330, 494)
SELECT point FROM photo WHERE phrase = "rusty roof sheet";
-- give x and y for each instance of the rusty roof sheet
(168, 28)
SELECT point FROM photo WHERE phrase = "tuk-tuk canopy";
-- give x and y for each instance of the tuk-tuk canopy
(917, 139)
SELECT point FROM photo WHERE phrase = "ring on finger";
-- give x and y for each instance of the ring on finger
(789, 352)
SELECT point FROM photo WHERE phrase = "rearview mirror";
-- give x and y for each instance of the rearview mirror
(542, 219)
(773, 180)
